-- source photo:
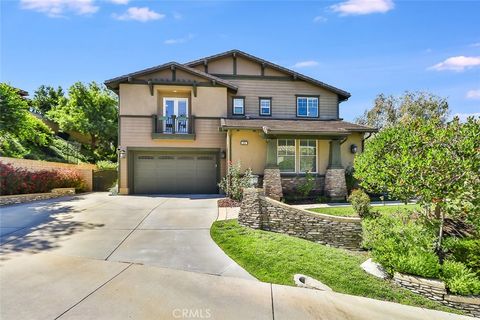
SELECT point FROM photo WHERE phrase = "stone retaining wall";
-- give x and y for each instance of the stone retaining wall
(21, 198)
(272, 183)
(260, 212)
(435, 290)
(85, 169)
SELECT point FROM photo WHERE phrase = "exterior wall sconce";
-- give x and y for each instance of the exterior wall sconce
(353, 148)
(223, 154)
(121, 152)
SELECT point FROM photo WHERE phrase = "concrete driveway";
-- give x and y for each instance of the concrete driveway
(171, 232)
(100, 257)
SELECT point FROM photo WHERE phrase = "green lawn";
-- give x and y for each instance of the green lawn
(347, 211)
(275, 258)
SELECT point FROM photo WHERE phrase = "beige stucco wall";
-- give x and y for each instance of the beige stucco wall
(248, 67)
(347, 156)
(252, 155)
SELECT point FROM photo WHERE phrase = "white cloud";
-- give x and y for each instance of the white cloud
(57, 8)
(458, 63)
(473, 94)
(475, 44)
(306, 64)
(119, 1)
(179, 40)
(360, 7)
(463, 116)
(143, 14)
(319, 19)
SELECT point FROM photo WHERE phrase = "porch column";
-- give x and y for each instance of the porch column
(272, 181)
(335, 184)
(271, 161)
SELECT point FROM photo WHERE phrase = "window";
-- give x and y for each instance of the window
(239, 106)
(265, 105)
(308, 155)
(286, 155)
(307, 107)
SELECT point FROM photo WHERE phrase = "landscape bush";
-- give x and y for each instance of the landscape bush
(306, 187)
(21, 181)
(459, 279)
(234, 182)
(361, 203)
(465, 250)
(106, 165)
(401, 244)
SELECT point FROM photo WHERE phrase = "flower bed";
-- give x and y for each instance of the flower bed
(15, 181)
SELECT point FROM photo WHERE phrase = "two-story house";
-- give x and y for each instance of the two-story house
(181, 124)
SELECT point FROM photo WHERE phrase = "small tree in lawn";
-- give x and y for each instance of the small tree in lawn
(437, 163)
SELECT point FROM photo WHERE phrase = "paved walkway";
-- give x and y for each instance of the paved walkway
(171, 232)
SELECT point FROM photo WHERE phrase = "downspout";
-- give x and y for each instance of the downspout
(365, 138)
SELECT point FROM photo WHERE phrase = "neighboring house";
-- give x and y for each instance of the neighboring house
(180, 124)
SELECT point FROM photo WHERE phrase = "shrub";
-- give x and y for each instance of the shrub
(360, 202)
(20, 181)
(459, 279)
(306, 187)
(402, 244)
(234, 182)
(350, 180)
(466, 251)
(106, 165)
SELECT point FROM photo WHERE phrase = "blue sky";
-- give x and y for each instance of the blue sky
(365, 47)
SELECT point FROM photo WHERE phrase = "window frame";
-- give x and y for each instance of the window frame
(233, 105)
(300, 156)
(269, 114)
(294, 156)
(306, 96)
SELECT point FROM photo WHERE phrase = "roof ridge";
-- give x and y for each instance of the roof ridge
(339, 91)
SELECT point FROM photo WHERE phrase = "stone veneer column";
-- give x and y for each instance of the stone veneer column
(250, 214)
(272, 183)
(335, 183)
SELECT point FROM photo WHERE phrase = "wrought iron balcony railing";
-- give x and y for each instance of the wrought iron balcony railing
(173, 124)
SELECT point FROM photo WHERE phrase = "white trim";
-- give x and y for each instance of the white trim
(269, 106)
(308, 116)
(175, 105)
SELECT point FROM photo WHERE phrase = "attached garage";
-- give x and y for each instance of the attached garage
(175, 173)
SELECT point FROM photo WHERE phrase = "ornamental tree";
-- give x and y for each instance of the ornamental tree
(437, 163)
(91, 110)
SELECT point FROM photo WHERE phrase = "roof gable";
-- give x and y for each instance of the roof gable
(161, 71)
(270, 69)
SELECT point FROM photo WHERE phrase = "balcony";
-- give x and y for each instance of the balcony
(173, 127)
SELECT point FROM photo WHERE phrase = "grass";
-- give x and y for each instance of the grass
(275, 258)
(347, 211)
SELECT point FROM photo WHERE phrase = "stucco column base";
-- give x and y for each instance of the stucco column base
(272, 183)
(335, 184)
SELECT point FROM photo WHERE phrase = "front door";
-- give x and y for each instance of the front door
(177, 107)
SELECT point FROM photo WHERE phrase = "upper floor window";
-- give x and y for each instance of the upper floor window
(265, 105)
(238, 105)
(286, 155)
(307, 107)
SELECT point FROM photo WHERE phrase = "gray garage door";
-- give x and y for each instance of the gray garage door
(175, 173)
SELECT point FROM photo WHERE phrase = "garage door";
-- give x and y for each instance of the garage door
(175, 173)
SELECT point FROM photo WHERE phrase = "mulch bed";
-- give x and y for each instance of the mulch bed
(228, 203)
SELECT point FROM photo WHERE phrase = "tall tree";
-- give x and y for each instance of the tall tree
(20, 131)
(434, 162)
(390, 110)
(46, 98)
(92, 110)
